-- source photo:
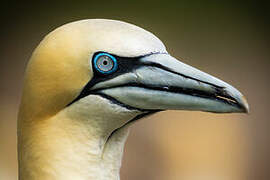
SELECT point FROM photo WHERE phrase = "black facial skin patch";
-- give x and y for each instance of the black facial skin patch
(129, 64)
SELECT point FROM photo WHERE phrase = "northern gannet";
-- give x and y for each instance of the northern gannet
(84, 85)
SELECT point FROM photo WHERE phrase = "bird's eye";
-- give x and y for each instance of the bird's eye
(105, 63)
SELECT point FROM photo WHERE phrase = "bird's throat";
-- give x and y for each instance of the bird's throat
(66, 150)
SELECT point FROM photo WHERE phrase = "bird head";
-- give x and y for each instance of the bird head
(115, 71)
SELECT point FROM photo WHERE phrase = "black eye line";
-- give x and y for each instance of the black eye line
(125, 64)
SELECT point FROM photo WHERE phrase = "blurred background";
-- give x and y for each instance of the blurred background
(228, 39)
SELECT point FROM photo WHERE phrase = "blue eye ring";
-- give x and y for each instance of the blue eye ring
(114, 68)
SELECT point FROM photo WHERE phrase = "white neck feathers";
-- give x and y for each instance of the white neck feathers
(74, 143)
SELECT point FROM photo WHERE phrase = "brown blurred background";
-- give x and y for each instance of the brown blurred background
(228, 39)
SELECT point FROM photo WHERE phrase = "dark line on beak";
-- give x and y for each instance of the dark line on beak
(219, 95)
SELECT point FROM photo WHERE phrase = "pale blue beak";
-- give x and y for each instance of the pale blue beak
(164, 82)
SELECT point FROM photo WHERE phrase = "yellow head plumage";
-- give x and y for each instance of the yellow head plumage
(71, 115)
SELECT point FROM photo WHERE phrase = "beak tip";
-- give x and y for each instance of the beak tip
(244, 105)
